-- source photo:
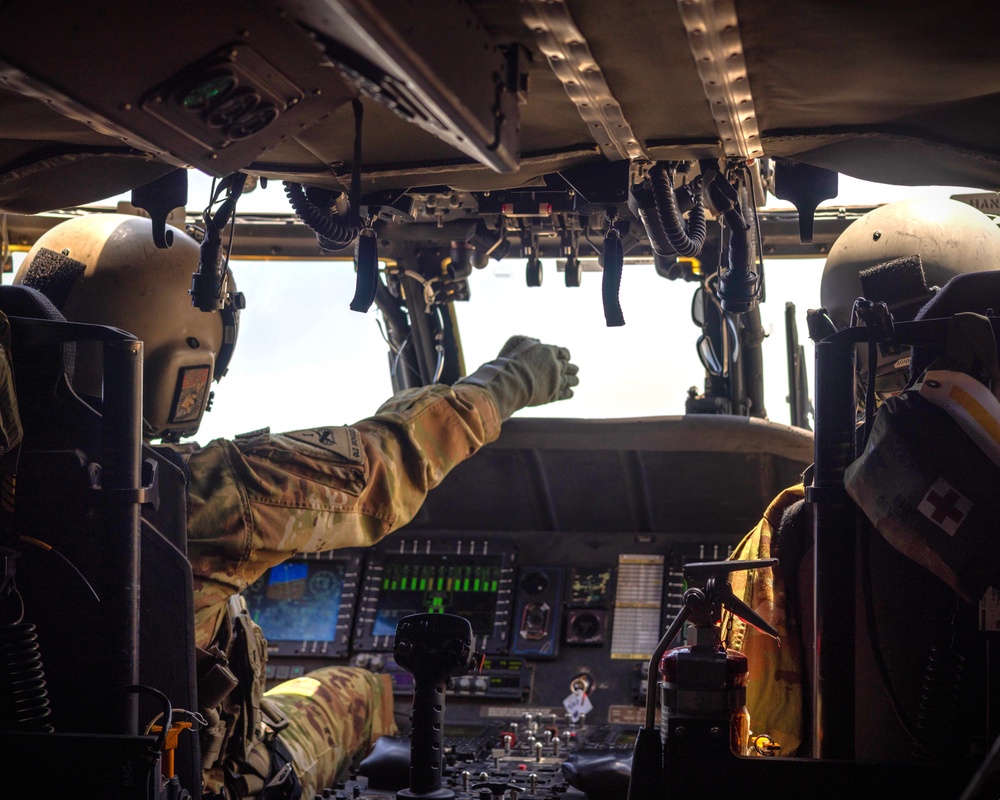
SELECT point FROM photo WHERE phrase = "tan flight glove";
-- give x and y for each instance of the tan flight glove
(526, 373)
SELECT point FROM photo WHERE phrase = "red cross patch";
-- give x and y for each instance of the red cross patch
(944, 506)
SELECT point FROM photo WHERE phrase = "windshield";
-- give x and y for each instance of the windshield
(304, 358)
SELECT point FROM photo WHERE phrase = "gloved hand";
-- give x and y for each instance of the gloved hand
(526, 373)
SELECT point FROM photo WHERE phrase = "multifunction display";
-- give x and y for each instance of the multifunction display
(472, 580)
(305, 606)
(469, 591)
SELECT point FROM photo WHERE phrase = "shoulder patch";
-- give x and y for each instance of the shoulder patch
(344, 441)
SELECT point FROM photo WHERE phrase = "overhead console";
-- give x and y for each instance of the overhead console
(234, 85)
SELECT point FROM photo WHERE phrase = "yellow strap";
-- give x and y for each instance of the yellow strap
(970, 404)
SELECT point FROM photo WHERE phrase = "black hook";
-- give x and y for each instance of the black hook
(158, 198)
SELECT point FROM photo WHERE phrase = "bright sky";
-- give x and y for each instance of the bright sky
(304, 359)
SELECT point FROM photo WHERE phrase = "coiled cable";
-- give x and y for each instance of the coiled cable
(686, 239)
(24, 698)
(938, 707)
(333, 232)
(643, 204)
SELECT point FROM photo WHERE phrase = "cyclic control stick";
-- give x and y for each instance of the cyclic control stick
(434, 648)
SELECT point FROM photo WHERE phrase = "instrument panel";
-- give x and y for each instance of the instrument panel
(567, 622)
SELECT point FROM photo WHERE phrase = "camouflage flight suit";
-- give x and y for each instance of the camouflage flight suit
(256, 501)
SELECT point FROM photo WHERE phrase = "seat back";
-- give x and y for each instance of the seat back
(59, 502)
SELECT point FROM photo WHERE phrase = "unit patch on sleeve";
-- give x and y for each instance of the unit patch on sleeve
(344, 442)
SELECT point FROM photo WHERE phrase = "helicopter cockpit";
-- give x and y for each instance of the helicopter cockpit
(399, 186)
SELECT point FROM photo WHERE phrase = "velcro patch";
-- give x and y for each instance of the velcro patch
(343, 441)
(250, 437)
(53, 274)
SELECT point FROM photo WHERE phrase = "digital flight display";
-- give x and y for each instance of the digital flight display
(298, 601)
(468, 590)
(471, 579)
(305, 606)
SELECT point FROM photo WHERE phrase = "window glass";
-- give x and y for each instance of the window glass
(644, 368)
(304, 359)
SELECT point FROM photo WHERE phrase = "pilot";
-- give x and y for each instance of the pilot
(257, 500)
(886, 249)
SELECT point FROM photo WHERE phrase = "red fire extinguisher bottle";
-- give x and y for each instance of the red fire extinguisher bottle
(702, 683)
(702, 687)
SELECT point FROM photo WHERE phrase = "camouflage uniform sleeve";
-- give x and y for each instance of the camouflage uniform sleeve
(256, 501)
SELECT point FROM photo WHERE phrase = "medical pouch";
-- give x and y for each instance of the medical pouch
(929, 476)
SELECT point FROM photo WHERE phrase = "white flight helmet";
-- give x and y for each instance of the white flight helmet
(950, 238)
(104, 269)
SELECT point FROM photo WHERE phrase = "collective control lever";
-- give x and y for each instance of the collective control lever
(434, 648)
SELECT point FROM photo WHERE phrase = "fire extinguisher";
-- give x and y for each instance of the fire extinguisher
(702, 685)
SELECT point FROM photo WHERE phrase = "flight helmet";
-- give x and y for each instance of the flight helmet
(105, 269)
(879, 257)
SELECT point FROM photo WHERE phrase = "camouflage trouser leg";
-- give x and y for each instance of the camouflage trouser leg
(335, 715)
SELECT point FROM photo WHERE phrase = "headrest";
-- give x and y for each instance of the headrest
(978, 292)
(24, 301)
(36, 369)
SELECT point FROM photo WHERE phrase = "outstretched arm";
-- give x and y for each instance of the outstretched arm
(258, 500)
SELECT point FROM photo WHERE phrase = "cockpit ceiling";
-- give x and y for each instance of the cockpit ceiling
(893, 91)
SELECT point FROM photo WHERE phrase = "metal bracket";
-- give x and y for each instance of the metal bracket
(878, 320)
(158, 199)
(572, 62)
(714, 37)
(827, 494)
(148, 493)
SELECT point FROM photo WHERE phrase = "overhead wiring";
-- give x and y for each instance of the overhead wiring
(399, 355)
(762, 290)
(686, 238)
